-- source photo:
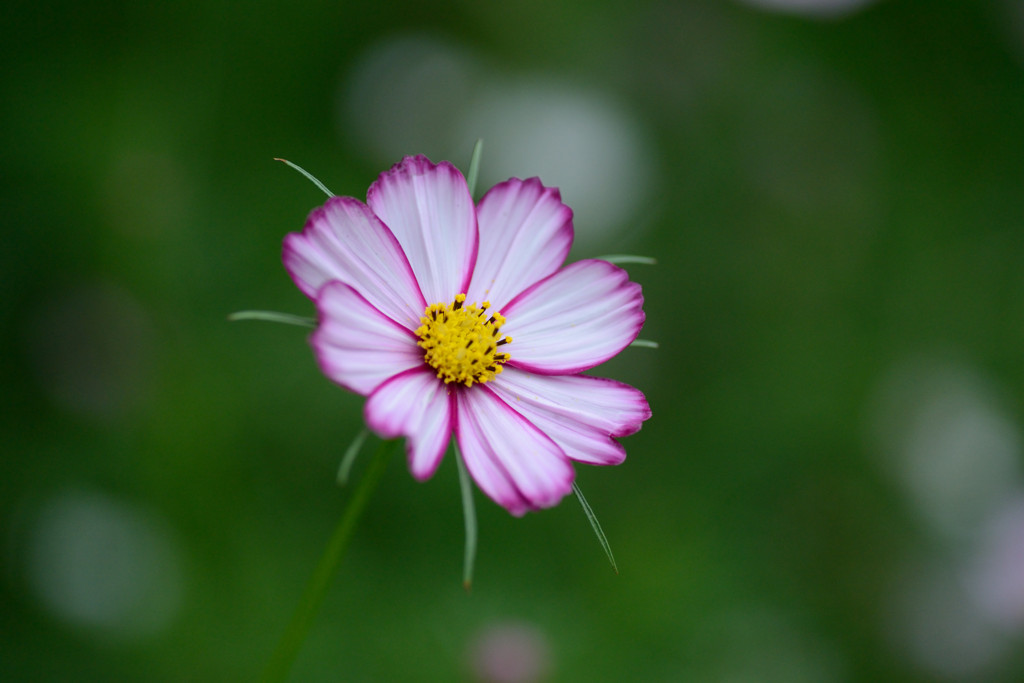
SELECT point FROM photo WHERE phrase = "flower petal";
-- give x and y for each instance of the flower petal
(573, 320)
(344, 241)
(428, 208)
(511, 460)
(525, 235)
(356, 345)
(580, 413)
(414, 404)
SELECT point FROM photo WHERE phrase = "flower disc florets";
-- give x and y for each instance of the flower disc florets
(461, 342)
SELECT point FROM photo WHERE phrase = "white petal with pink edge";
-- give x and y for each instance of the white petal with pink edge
(580, 413)
(573, 320)
(344, 241)
(511, 460)
(525, 235)
(356, 345)
(430, 211)
(414, 404)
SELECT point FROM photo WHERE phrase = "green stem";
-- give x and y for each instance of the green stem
(316, 590)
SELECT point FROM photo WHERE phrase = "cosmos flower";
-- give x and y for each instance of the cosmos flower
(455, 319)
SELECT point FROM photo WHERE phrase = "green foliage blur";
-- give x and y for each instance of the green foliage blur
(837, 208)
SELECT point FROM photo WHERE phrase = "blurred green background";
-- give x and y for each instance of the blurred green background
(831, 487)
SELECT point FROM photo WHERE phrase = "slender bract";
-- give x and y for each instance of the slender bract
(629, 258)
(474, 167)
(308, 175)
(349, 458)
(469, 515)
(596, 526)
(273, 317)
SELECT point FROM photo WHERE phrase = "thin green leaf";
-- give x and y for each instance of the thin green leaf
(350, 456)
(644, 343)
(628, 258)
(474, 166)
(273, 317)
(595, 525)
(308, 175)
(469, 515)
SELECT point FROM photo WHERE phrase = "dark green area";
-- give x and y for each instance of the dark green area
(833, 199)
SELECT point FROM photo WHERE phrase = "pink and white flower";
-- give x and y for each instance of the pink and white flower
(458, 319)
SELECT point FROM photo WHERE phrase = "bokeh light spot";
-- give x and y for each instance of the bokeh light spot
(101, 564)
(812, 8)
(941, 431)
(937, 627)
(997, 582)
(417, 94)
(577, 140)
(510, 652)
(403, 94)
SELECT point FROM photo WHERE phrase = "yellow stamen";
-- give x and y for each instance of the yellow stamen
(461, 342)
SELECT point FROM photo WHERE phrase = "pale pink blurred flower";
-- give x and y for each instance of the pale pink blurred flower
(510, 652)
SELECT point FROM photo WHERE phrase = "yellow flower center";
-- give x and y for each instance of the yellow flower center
(461, 342)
